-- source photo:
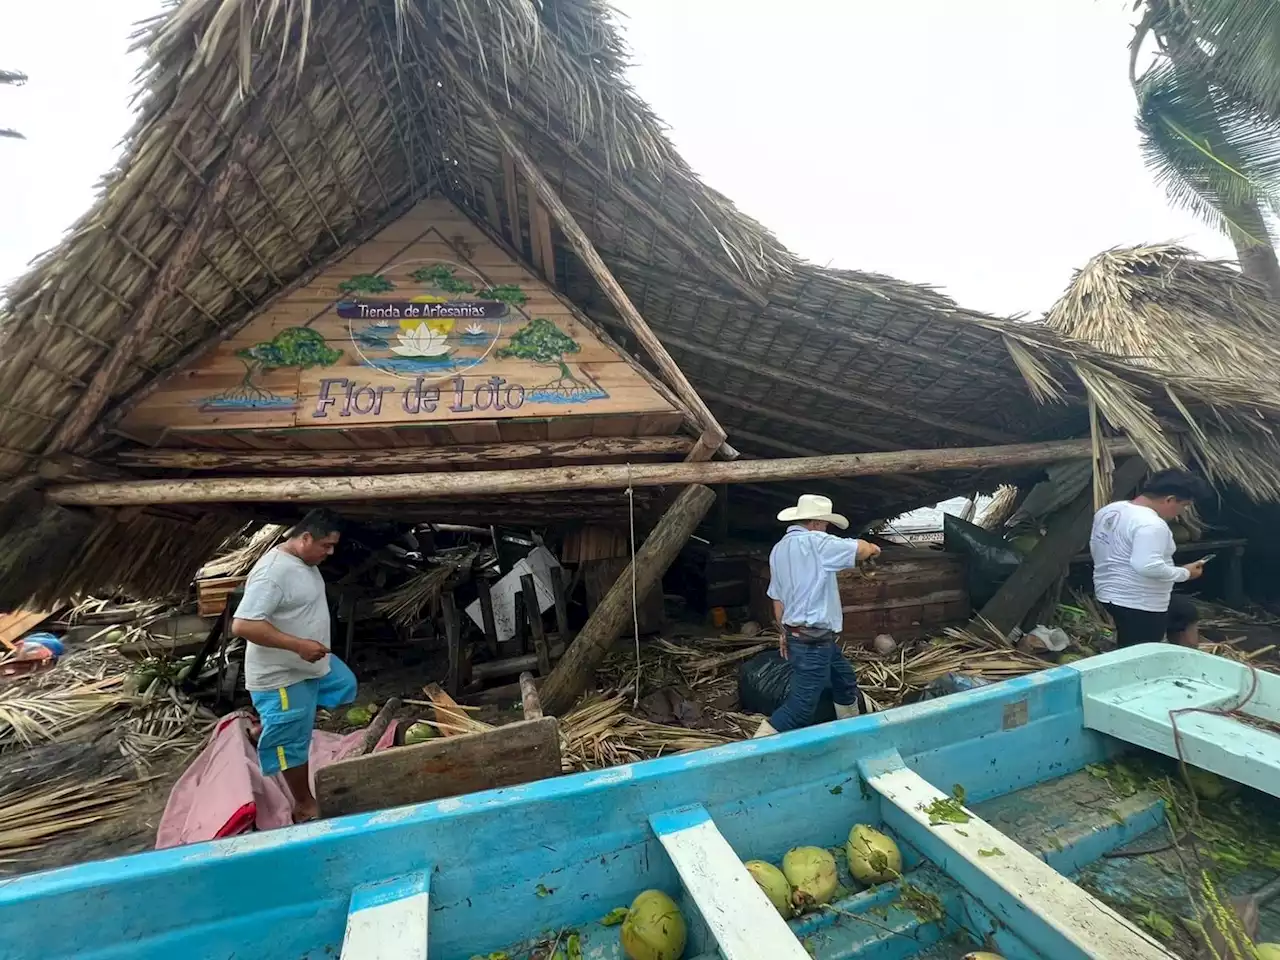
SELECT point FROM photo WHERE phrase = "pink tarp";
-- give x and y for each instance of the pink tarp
(223, 793)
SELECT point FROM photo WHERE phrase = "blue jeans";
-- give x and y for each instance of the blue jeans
(813, 666)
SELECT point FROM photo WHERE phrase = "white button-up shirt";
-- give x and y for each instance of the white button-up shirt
(803, 567)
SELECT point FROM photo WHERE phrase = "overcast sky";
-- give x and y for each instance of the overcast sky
(986, 147)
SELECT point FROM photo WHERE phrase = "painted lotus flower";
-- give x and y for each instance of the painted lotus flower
(420, 341)
(475, 330)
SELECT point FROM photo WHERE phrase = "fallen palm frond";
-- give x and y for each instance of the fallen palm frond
(407, 604)
(599, 732)
(34, 816)
(30, 716)
(243, 552)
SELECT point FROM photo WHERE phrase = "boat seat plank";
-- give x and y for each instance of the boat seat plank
(387, 920)
(745, 925)
(1138, 695)
(1036, 902)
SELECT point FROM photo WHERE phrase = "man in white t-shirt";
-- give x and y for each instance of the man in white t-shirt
(1133, 570)
(288, 668)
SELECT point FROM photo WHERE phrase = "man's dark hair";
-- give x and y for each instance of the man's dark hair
(1180, 484)
(319, 523)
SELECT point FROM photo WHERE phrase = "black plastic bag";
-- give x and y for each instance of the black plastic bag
(989, 558)
(764, 682)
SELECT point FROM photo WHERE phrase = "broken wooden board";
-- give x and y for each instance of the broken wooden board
(14, 625)
(444, 767)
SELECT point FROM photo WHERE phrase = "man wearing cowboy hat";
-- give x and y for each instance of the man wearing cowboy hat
(806, 605)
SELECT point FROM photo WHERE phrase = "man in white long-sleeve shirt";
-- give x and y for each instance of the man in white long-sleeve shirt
(1133, 570)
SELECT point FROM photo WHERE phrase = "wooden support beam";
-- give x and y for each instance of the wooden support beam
(581, 658)
(544, 249)
(586, 251)
(472, 484)
(799, 450)
(484, 593)
(177, 263)
(278, 461)
(894, 408)
(536, 629)
(560, 594)
(678, 235)
(1051, 556)
(453, 637)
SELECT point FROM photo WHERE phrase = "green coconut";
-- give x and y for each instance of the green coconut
(811, 871)
(419, 732)
(774, 884)
(115, 636)
(1267, 951)
(1070, 657)
(358, 717)
(654, 928)
(873, 857)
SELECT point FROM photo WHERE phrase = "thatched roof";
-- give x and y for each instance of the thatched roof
(365, 108)
(1210, 339)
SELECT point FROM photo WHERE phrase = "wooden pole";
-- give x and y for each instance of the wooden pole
(485, 595)
(590, 257)
(175, 267)
(581, 658)
(532, 611)
(1066, 535)
(472, 484)
(309, 461)
(529, 700)
(561, 595)
(453, 637)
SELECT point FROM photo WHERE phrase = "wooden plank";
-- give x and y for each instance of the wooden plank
(388, 920)
(744, 924)
(446, 710)
(539, 634)
(14, 625)
(594, 477)
(445, 767)
(1052, 555)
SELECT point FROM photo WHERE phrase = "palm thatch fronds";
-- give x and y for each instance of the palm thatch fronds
(242, 550)
(34, 817)
(1191, 349)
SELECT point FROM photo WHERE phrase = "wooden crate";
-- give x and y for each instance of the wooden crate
(912, 593)
(211, 594)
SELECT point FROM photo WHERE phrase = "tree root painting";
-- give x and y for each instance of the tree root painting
(545, 344)
(292, 348)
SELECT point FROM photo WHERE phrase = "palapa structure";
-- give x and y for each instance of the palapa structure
(287, 158)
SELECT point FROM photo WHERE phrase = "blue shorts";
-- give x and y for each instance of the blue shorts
(289, 715)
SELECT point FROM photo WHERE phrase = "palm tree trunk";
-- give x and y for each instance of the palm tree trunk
(1256, 252)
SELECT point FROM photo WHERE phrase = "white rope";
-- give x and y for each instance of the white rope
(635, 600)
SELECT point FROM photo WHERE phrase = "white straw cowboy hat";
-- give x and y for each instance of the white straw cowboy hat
(813, 507)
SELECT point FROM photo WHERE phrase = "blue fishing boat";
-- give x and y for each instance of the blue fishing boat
(1010, 804)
